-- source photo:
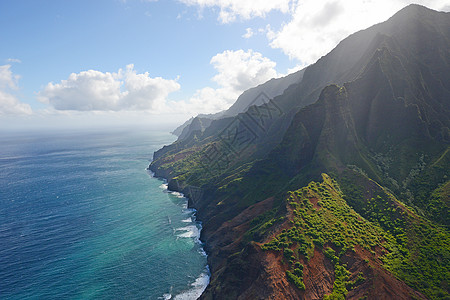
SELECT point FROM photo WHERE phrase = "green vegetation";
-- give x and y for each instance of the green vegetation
(438, 204)
(341, 275)
(418, 251)
(330, 221)
(430, 190)
(296, 280)
(425, 260)
(359, 280)
(414, 250)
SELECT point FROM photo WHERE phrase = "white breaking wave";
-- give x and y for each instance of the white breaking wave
(198, 286)
(166, 297)
(189, 232)
(177, 194)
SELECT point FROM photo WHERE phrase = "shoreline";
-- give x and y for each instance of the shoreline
(202, 281)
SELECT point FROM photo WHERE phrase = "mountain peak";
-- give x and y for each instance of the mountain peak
(415, 7)
(414, 12)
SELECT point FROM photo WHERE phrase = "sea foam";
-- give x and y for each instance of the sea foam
(197, 287)
(191, 231)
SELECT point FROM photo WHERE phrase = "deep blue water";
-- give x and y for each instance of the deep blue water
(81, 218)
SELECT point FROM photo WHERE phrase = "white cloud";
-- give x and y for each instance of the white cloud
(7, 79)
(95, 90)
(230, 10)
(207, 100)
(316, 27)
(9, 103)
(248, 33)
(237, 71)
(294, 69)
(240, 70)
(14, 60)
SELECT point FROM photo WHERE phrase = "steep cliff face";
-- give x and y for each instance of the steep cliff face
(312, 242)
(373, 114)
(387, 123)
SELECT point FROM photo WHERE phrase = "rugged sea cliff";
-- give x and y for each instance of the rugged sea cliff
(338, 187)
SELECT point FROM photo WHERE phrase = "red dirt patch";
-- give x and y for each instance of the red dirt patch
(314, 201)
(378, 283)
(318, 276)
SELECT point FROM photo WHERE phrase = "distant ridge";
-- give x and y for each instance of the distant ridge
(271, 88)
(340, 186)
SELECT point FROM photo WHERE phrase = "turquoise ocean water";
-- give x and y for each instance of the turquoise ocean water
(81, 218)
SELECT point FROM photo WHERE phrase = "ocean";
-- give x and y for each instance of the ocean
(82, 218)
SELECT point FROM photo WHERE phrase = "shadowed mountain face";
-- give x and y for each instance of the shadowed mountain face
(254, 96)
(374, 114)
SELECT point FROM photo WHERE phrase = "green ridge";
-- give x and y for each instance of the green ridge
(415, 250)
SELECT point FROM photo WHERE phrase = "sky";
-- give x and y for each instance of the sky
(90, 63)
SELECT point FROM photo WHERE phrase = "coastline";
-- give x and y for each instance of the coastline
(101, 219)
(202, 281)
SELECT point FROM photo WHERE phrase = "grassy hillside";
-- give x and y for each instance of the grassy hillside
(413, 249)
